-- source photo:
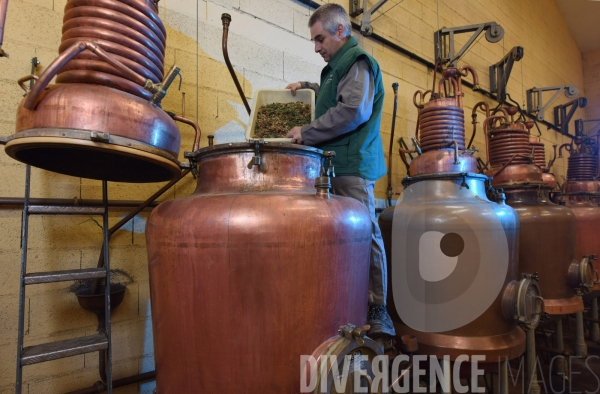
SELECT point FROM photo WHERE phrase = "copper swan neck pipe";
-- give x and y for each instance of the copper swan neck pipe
(226, 19)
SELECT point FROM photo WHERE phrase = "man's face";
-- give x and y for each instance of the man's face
(326, 44)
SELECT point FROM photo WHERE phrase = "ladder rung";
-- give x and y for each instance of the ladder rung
(60, 349)
(58, 210)
(61, 276)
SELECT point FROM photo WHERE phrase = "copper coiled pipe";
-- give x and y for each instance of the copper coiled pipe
(509, 143)
(539, 153)
(440, 126)
(582, 167)
(129, 30)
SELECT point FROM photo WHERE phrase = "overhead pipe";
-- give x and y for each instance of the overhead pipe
(226, 19)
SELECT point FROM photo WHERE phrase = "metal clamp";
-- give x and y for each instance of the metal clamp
(564, 112)
(522, 301)
(257, 160)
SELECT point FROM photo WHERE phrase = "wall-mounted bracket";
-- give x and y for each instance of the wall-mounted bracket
(443, 40)
(580, 127)
(365, 24)
(534, 98)
(564, 112)
(500, 72)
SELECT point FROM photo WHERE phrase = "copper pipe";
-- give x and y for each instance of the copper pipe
(118, 50)
(114, 21)
(117, 41)
(67, 55)
(3, 9)
(389, 172)
(226, 19)
(134, 9)
(485, 131)
(481, 104)
(196, 129)
(569, 145)
(464, 71)
(129, 31)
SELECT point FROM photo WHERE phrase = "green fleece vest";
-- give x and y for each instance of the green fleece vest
(359, 152)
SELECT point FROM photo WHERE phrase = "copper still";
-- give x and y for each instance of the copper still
(444, 208)
(253, 270)
(580, 193)
(547, 234)
(102, 118)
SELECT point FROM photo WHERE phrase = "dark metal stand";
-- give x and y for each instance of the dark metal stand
(70, 347)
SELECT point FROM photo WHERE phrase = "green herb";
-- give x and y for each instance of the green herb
(275, 120)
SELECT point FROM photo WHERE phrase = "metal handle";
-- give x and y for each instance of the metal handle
(596, 277)
(24, 79)
(542, 305)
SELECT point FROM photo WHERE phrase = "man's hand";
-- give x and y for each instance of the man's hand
(295, 134)
(293, 87)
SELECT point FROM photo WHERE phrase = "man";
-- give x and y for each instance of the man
(348, 115)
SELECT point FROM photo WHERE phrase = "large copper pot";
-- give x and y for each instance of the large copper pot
(101, 119)
(547, 246)
(253, 270)
(456, 204)
(587, 214)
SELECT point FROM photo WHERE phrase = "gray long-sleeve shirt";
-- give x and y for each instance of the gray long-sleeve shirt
(355, 93)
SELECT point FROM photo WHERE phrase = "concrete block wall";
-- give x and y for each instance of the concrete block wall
(591, 80)
(269, 46)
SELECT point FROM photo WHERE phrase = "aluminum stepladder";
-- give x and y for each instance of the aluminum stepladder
(69, 347)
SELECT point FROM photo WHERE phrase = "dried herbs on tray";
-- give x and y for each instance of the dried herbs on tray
(275, 120)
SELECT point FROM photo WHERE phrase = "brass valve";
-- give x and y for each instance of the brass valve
(159, 90)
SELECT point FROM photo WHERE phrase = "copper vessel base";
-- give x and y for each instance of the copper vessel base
(73, 152)
(563, 306)
(509, 345)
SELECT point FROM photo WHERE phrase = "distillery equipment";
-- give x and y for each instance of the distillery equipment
(102, 118)
(580, 193)
(547, 233)
(259, 266)
(452, 253)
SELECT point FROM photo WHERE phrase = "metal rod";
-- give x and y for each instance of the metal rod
(99, 388)
(24, 234)
(62, 202)
(226, 19)
(107, 328)
(131, 214)
(559, 346)
(503, 378)
(532, 385)
(580, 345)
(595, 328)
